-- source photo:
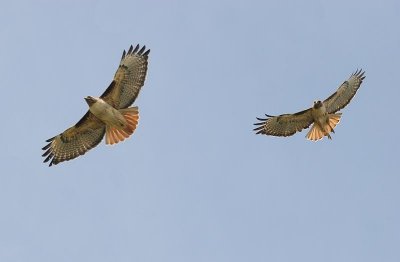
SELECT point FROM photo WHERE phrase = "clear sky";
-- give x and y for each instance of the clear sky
(195, 183)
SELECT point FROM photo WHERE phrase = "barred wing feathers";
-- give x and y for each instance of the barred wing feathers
(129, 78)
(284, 125)
(74, 141)
(345, 92)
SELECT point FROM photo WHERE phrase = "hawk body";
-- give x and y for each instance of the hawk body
(323, 114)
(108, 115)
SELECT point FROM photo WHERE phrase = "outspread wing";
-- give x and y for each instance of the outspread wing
(74, 141)
(284, 125)
(128, 79)
(345, 92)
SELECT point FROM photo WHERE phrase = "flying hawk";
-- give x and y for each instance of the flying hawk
(108, 114)
(322, 115)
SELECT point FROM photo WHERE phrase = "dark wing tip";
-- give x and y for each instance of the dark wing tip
(130, 49)
(146, 53)
(137, 50)
(46, 146)
(50, 139)
(260, 129)
(50, 156)
(141, 50)
(48, 151)
(359, 73)
(264, 119)
(123, 55)
(52, 162)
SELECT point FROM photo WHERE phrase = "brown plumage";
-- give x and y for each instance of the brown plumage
(109, 113)
(322, 115)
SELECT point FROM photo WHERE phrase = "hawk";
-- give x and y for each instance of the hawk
(323, 115)
(108, 114)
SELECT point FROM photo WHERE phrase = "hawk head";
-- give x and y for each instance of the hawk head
(90, 100)
(317, 104)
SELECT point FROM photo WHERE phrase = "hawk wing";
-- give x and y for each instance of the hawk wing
(284, 125)
(128, 79)
(74, 141)
(345, 93)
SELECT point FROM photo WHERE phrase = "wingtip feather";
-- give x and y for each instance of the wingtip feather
(136, 48)
(46, 147)
(123, 55)
(130, 50)
(141, 50)
(146, 53)
(50, 139)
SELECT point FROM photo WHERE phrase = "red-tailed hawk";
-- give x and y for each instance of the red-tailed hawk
(322, 114)
(108, 114)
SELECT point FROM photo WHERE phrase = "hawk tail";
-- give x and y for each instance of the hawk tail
(316, 132)
(333, 120)
(115, 135)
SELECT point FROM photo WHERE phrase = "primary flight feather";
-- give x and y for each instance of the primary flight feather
(108, 115)
(323, 115)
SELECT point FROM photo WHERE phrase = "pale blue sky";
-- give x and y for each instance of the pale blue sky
(195, 183)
